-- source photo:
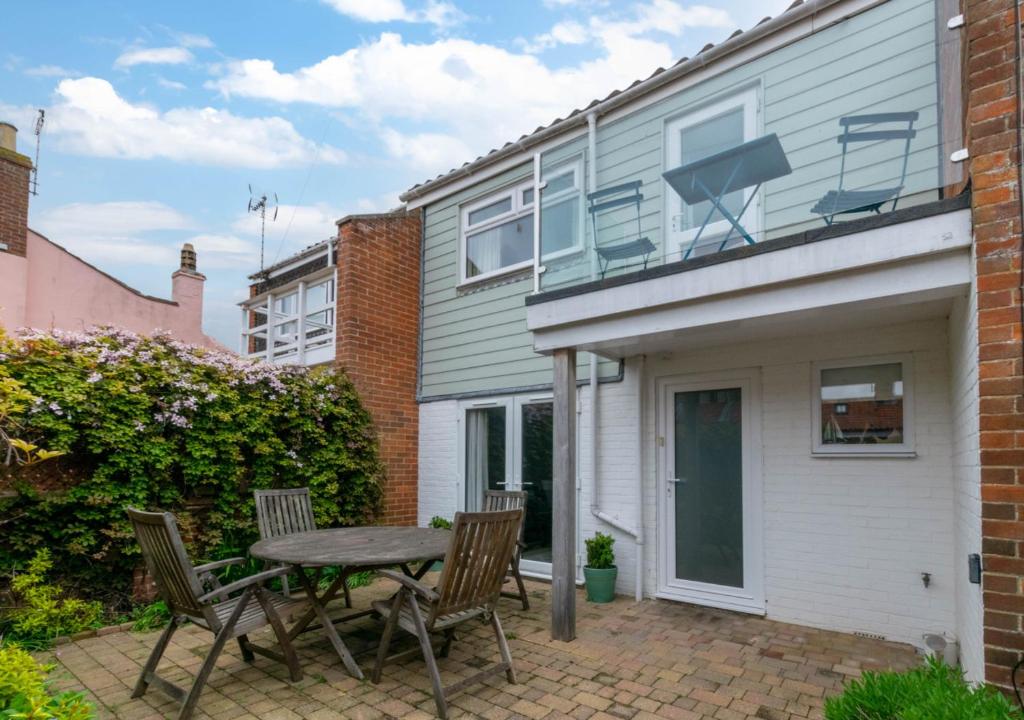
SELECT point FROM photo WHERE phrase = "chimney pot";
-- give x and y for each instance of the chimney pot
(188, 257)
(8, 137)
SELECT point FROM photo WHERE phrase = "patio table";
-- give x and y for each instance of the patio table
(352, 550)
(712, 178)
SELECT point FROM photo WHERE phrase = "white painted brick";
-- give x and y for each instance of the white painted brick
(438, 466)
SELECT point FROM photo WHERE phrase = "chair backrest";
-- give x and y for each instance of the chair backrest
(604, 201)
(283, 512)
(477, 559)
(497, 500)
(167, 561)
(906, 133)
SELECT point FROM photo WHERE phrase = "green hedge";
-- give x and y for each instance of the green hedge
(934, 691)
(155, 423)
(24, 691)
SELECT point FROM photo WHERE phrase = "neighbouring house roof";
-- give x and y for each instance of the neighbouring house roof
(739, 39)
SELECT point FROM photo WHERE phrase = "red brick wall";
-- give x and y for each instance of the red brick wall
(14, 173)
(992, 117)
(378, 343)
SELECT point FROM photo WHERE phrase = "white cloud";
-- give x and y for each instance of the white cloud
(50, 71)
(154, 56)
(170, 84)
(666, 17)
(90, 118)
(114, 232)
(443, 102)
(215, 251)
(426, 151)
(434, 12)
(192, 40)
(298, 225)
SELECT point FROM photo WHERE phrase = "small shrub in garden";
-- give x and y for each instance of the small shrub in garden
(158, 424)
(43, 611)
(440, 523)
(150, 617)
(934, 691)
(600, 555)
(24, 693)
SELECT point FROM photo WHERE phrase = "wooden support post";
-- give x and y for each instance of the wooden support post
(563, 531)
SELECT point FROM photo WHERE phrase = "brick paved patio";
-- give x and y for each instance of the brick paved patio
(651, 660)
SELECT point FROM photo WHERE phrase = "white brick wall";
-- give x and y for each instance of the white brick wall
(845, 540)
(963, 352)
(438, 460)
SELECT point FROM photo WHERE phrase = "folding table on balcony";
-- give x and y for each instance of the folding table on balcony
(711, 178)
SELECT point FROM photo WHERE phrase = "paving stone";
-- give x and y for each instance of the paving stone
(631, 661)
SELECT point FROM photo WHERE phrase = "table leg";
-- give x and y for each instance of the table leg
(310, 614)
(329, 629)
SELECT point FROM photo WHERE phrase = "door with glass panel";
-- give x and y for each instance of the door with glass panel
(710, 509)
(507, 445)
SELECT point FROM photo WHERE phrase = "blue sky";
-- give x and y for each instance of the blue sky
(160, 114)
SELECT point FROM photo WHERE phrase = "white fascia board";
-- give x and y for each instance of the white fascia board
(889, 244)
(924, 278)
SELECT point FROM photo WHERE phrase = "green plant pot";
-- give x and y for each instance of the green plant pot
(600, 584)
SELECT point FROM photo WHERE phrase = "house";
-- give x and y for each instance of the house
(43, 285)
(758, 316)
(353, 301)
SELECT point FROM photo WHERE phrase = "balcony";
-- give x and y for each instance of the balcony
(844, 128)
(293, 324)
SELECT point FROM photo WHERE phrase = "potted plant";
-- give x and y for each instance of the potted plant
(600, 571)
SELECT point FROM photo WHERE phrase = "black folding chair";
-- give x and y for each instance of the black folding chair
(841, 201)
(601, 203)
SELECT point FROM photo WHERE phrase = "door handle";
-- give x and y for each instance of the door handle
(672, 482)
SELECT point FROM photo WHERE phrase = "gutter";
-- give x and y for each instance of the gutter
(808, 9)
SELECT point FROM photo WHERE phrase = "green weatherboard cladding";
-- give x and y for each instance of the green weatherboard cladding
(475, 338)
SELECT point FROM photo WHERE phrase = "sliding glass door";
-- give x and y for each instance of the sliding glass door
(507, 445)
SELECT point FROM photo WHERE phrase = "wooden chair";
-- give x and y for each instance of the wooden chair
(496, 500)
(284, 512)
(474, 570)
(180, 585)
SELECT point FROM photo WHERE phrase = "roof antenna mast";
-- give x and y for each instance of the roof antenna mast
(38, 133)
(259, 204)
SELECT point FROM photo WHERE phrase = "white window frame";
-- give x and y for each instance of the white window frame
(519, 210)
(679, 239)
(575, 167)
(297, 347)
(904, 449)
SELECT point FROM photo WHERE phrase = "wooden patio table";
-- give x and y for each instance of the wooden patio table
(352, 550)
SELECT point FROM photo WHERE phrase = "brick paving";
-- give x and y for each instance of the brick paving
(655, 659)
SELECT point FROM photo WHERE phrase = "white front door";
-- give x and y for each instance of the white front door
(709, 490)
(506, 444)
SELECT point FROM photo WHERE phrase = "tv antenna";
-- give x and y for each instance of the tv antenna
(38, 133)
(259, 204)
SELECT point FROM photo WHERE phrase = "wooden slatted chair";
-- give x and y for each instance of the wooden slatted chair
(495, 500)
(474, 570)
(284, 512)
(180, 585)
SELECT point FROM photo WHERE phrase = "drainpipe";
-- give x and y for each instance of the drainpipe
(595, 504)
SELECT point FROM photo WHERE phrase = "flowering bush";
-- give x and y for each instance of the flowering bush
(155, 423)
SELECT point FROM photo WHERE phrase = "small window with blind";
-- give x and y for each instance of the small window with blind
(863, 407)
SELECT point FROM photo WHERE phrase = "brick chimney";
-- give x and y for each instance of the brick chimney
(187, 286)
(14, 176)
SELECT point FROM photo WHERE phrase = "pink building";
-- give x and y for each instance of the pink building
(43, 285)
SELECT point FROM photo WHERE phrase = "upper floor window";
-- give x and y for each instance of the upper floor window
(696, 135)
(497, 233)
(561, 210)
